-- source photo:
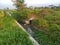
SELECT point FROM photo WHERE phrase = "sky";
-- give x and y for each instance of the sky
(42, 2)
(9, 3)
(6, 3)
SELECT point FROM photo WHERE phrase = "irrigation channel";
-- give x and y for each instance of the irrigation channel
(28, 30)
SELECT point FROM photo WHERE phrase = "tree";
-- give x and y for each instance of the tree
(20, 4)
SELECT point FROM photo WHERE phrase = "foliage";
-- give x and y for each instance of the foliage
(46, 27)
(53, 26)
(21, 1)
(11, 34)
(36, 11)
(40, 23)
(19, 4)
(20, 16)
(47, 39)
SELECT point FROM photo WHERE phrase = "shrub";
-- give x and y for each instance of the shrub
(20, 16)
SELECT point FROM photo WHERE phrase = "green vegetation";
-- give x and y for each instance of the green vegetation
(47, 28)
(45, 25)
(20, 4)
(10, 33)
(20, 16)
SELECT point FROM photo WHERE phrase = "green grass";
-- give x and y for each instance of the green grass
(46, 39)
(48, 24)
(11, 34)
(48, 29)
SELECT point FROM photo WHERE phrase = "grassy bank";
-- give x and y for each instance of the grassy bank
(10, 33)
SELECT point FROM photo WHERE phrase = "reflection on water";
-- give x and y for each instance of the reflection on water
(30, 31)
(6, 4)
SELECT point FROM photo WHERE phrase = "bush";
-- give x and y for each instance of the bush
(20, 16)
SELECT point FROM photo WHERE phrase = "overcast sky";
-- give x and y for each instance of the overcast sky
(6, 3)
(9, 3)
(42, 2)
